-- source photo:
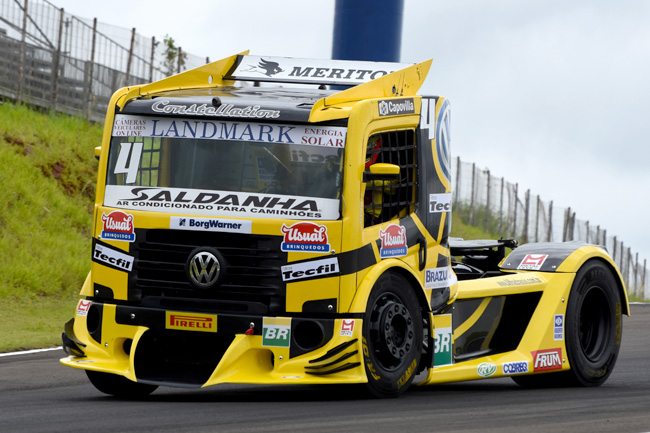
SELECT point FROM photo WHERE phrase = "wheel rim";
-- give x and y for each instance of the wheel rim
(595, 322)
(392, 332)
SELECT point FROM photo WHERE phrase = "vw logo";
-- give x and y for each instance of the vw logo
(204, 269)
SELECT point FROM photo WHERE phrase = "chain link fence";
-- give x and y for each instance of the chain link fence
(498, 206)
(58, 61)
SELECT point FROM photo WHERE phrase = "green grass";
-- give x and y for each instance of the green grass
(47, 180)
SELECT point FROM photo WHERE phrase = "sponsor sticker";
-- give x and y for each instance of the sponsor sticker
(395, 107)
(228, 203)
(533, 262)
(295, 70)
(558, 327)
(519, 280)
(518, 367)
(545, 360)
(312, 269)
(118, 226)
(347, 327)
(393, 241)
(486, 369)
(208, 129)
(436, 278)
(443, 348)
(191, 322)
(439, 203)
(276, 332)
(82, 308)
(211, 224)
(113, 258)
(305, 237)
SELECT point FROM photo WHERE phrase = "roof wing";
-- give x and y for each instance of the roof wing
(309, 71)
(405, 82)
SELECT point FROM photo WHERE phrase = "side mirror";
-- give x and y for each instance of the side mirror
(98, 151)
(381, 171)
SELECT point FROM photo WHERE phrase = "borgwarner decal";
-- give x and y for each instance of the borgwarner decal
(305, 237)
(118, 226)
(127, 125)
(438, 278)
(211, 225)
(393, 241)
(311, 269)
(227, 203)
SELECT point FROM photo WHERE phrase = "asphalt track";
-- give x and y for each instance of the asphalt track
(37, 394)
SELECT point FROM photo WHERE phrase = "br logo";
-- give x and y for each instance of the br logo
(276, 332)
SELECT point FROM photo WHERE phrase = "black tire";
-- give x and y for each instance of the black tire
(593, 330)
(392, 336)
(119, 386)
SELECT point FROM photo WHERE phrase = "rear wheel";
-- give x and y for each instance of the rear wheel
(593, 330)
(119, 386)
(392, 336)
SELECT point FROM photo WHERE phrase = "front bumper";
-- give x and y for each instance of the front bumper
(192, 349)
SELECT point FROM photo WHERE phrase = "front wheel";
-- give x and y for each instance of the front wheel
(593, 330)
(392, 336)
(119, 386)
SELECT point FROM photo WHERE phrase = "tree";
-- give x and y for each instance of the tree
(173, 57)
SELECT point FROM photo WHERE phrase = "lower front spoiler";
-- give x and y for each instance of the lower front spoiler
(188, 349)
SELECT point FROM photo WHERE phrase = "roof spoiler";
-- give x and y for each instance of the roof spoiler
(309, 71)
(370, 79)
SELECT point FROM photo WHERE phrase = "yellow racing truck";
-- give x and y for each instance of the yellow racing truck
(274, 220)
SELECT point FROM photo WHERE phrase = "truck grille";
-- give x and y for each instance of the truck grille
(252, 272)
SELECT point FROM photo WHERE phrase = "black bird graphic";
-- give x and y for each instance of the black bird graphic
(271, 68)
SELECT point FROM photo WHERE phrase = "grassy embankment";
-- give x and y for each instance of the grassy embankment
(47, 178)
(47, 185)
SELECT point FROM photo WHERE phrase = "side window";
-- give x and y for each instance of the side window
(386, 200)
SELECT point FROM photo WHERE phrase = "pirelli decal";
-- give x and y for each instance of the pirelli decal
(191, 321)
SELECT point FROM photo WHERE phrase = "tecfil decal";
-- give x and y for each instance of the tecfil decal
(393, 241)
(305, 237)
(309, 270)
(546, 360)
(118, 226)
(533, 262)
(439, 203)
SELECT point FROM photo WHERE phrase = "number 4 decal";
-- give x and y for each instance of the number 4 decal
(128, 160)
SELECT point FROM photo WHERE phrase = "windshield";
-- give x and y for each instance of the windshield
(227, 168)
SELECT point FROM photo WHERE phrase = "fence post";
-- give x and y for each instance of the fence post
(57, 63)
(526, 214)
(514, 219)
(91, 68)
(180, 59)
(537, 221)
(21, 66)
(645, 265)
(487, 203)
(130, 59)
(587, 233)
(471, 197)
(457, 180)
(614, 251)
(153, 53)
(501, 208)
(636, 271)
(549, 235)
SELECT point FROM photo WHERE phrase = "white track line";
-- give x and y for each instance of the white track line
(28, 352)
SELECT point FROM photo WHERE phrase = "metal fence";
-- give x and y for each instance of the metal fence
(499, 207)
(62, 62)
